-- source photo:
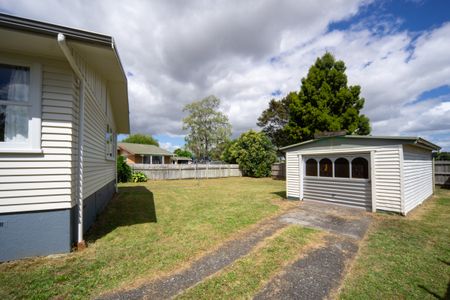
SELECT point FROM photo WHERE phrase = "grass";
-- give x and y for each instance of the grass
(246, 276)
(405, 257)
(149, 230)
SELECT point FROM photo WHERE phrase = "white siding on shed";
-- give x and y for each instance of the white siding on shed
(44, 181)
(387, 179)
(418, 172)
(292, 175)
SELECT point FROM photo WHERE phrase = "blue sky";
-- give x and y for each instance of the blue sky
(248, 52)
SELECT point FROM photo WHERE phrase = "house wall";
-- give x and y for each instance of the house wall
(33, 182)
(38, 192)
(418, 176)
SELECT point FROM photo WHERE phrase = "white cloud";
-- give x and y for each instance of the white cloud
(169, 146)
(182, 51)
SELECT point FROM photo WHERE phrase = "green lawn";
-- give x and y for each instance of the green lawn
(405, 258)
(150, 229)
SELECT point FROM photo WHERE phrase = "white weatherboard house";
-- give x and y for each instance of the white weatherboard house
(375, 173)
(63, 99)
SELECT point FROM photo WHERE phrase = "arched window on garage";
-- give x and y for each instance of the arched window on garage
(341, 168)
(326, 168)
(311, 167)
(360, 168)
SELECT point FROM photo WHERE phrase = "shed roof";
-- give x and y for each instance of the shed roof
(98, 50)
(418, 141)
(143, 149)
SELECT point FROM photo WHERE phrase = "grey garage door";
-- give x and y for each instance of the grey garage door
(355, 193)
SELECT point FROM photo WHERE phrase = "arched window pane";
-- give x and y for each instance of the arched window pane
(341, 168)
(311, 167)
(326, 168)
(360, 168)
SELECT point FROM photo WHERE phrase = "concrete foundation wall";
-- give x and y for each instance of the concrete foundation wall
(41, 233)
(34, 234)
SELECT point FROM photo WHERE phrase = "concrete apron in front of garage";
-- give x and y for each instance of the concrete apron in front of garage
(318, 274)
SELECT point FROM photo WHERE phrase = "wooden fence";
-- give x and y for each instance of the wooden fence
(442, 172)
(181, 171)
(279, 171)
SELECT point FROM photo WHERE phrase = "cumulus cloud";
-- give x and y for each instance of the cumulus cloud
(243, 51)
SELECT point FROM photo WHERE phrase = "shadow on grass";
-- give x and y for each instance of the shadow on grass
(133, 205)
(281, 194)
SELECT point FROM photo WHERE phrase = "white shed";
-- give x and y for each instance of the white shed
(371, 172)
(63, 99)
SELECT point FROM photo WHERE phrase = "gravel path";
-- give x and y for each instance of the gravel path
(170, 286)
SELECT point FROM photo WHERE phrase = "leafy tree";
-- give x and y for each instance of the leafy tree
(123, 169)
(254, 153)
(183, 153)
(442, 156)
(208, 127)
(227, 156)
(139, 138)
(274, 119)
(326, 103)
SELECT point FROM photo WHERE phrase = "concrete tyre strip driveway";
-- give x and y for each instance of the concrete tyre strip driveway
(169, 286)
(318, 274)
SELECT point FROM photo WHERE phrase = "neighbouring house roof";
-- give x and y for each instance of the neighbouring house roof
(142, 149)
(98, 50)
(179, 158)
(418, 141)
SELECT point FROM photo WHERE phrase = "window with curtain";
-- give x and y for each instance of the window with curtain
(15, 103)
(360, 168)
(311, 167)
(326, 168)
(341, 168)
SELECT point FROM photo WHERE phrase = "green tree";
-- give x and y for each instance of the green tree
(254, 153)
(227, 156)
(183, 153)
(274, 119)
(139, 138)
(326, 103)
(208, 128)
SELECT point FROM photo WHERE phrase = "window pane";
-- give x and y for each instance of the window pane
(326, 168)
(146, 159)
(157, 160)
(14, 83)
(13, 123)
(311, 167)
(360, 168)
(341, 168)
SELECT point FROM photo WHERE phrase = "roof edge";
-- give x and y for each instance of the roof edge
(414, 140)
(24, 24)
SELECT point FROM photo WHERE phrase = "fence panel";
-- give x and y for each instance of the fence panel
(442, 172)
(161, 172)
(279, 171)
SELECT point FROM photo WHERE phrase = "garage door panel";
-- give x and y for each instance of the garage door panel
(347, 192)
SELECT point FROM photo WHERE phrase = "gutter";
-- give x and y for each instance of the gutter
(66, 51)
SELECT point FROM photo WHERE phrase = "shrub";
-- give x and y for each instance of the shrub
(254, 153)
(123, 170)
(139, 177)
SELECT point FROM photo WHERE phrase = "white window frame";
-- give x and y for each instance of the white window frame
(333, 158)
(33, 143)
(110, 148)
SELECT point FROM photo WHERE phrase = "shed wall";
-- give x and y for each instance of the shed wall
(387, 179)
(292, 175)
(418, 176)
